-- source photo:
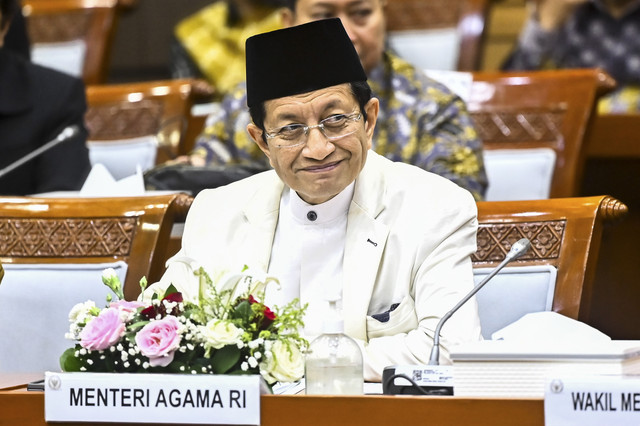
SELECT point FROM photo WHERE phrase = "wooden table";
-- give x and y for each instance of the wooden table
(19, 407)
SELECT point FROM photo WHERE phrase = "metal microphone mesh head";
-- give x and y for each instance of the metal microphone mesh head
(519, 248)
(68, 132)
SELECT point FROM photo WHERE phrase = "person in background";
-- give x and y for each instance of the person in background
(36, 104)
(210, 43)
(585, 34)
(17, 38)
(332, 216)
(421, 121)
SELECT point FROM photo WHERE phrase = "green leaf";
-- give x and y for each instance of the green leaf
(225, 358)
(170, 290)
(68, 361)
(243, 311)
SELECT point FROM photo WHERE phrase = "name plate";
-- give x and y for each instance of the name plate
(594, 400)
(153, 398)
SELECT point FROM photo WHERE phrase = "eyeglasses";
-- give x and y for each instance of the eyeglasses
(334, 127)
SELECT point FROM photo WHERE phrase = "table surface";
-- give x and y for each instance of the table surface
(26, 408)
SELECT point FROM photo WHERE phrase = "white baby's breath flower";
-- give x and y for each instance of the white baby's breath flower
(257, 355)
(244, 366)
(253, 362)
(256, 343)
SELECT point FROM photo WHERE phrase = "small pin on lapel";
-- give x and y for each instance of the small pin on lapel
(372, 243)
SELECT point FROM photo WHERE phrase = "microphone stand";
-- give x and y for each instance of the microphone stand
(67, 133)
(517, 250)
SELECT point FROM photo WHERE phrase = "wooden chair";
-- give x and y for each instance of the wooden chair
(54, 251)
(615, 136)
(144, 123)
(91, 230)
(419, 28)
(74, 36)
(551, 110)
(565, 233)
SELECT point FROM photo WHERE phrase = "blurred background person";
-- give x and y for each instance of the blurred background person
(17, 38)
(210, 43)
(421, 121)
(585, 34)
(36, 104)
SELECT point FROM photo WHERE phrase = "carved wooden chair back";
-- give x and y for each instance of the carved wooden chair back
(135, 230)
(539, 109)
(73, 35)
(565, 233)
(55, 251)
(152, 114)
(424, 26)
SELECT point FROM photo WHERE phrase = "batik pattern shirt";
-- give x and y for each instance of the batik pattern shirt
(591, 38)
(420, 122)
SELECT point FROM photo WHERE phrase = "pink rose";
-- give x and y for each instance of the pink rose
(158, 340)
(102, 331)
(126, 306)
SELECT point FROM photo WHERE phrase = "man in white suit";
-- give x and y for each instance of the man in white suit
(332, 216)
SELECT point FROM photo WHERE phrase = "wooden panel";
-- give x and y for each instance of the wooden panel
(27, 409)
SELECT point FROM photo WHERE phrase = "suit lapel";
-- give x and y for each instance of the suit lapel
(365, 242)
(261, 213)
(366, 239)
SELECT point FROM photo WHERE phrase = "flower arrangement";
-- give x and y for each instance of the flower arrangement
(227, 330)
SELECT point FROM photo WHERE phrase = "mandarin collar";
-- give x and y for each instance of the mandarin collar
(317, 214)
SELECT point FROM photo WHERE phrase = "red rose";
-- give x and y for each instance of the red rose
(269, 317)
(153, 311)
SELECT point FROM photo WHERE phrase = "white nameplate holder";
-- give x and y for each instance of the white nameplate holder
(591, 401)
(153, 398)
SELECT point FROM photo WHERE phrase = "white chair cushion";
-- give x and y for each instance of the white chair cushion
(512, 293)
(122, 157)
(436, 49)
(519, 174)
(67, 57)
(36, 300)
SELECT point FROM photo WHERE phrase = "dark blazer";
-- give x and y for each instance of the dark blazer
(36, 104)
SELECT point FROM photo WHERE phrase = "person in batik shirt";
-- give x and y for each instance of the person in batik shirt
(421, 121)
(585, 34)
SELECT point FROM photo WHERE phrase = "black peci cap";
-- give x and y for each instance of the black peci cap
(300, 59)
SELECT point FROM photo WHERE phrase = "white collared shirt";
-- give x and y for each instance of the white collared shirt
(307, 254)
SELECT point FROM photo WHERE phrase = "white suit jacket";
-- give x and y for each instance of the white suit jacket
(409, 237)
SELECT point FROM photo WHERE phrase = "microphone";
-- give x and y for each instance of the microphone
(66, 134)
(517, 249)
(434, 379)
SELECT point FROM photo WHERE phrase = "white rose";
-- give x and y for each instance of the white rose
(217, 334)
(286, 363)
